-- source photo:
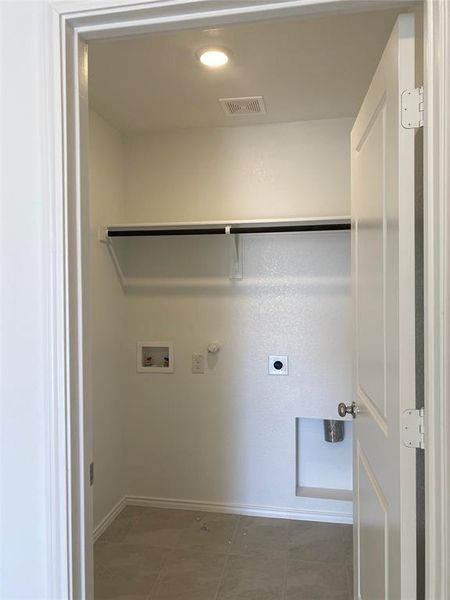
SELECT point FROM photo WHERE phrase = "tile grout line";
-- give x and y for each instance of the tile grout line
(284, 591)
(219, 585)
(349, 582)
(161, 572)
(347, 575)
(158, 578)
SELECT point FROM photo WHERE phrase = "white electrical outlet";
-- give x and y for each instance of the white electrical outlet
(198, 363)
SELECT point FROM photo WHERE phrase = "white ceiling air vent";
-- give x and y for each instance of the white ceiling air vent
(250, 105)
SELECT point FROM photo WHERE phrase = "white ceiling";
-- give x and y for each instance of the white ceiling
(305, 69)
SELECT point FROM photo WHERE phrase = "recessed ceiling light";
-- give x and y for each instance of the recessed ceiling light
(213, 57)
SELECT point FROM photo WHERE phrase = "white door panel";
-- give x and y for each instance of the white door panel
(384, 305)
(370, 271)
(373, 547)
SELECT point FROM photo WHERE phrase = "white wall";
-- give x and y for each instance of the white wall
(106, 181)
(26, 524)
(280, 170)
(228, 436)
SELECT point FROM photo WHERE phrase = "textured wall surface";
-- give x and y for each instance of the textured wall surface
(268, 171)
(229, 435)
(107, 317)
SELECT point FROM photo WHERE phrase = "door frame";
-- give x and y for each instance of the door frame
(70, 25)
(436, 291)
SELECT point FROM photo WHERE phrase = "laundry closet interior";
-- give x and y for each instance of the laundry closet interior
(220, 265)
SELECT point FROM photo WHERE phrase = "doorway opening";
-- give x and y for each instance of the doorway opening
(211, 463)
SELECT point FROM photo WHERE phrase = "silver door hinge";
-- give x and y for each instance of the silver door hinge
(91, 473)
(412, 108)
(413, 428)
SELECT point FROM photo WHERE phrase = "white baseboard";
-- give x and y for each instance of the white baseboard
(244, 509)
(218, 507)
(106, 521)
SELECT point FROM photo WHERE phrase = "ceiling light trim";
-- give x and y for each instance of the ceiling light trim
(214, 57)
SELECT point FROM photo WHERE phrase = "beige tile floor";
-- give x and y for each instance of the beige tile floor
(158, 554)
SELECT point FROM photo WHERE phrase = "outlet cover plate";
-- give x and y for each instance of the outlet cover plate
(198, 364)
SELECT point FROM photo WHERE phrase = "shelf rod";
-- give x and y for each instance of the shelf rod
(231, 230)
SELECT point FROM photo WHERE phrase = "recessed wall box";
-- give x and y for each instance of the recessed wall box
(278, 365)
(154, 357)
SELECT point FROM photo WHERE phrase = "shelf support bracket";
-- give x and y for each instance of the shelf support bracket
(102, 235)
(235, 253)
(103, 238)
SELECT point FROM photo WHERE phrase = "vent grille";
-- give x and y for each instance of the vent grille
(251, 105)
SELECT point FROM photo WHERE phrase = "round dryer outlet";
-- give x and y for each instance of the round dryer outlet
(278, 365)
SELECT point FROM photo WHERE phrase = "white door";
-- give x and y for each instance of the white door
(384, 316)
